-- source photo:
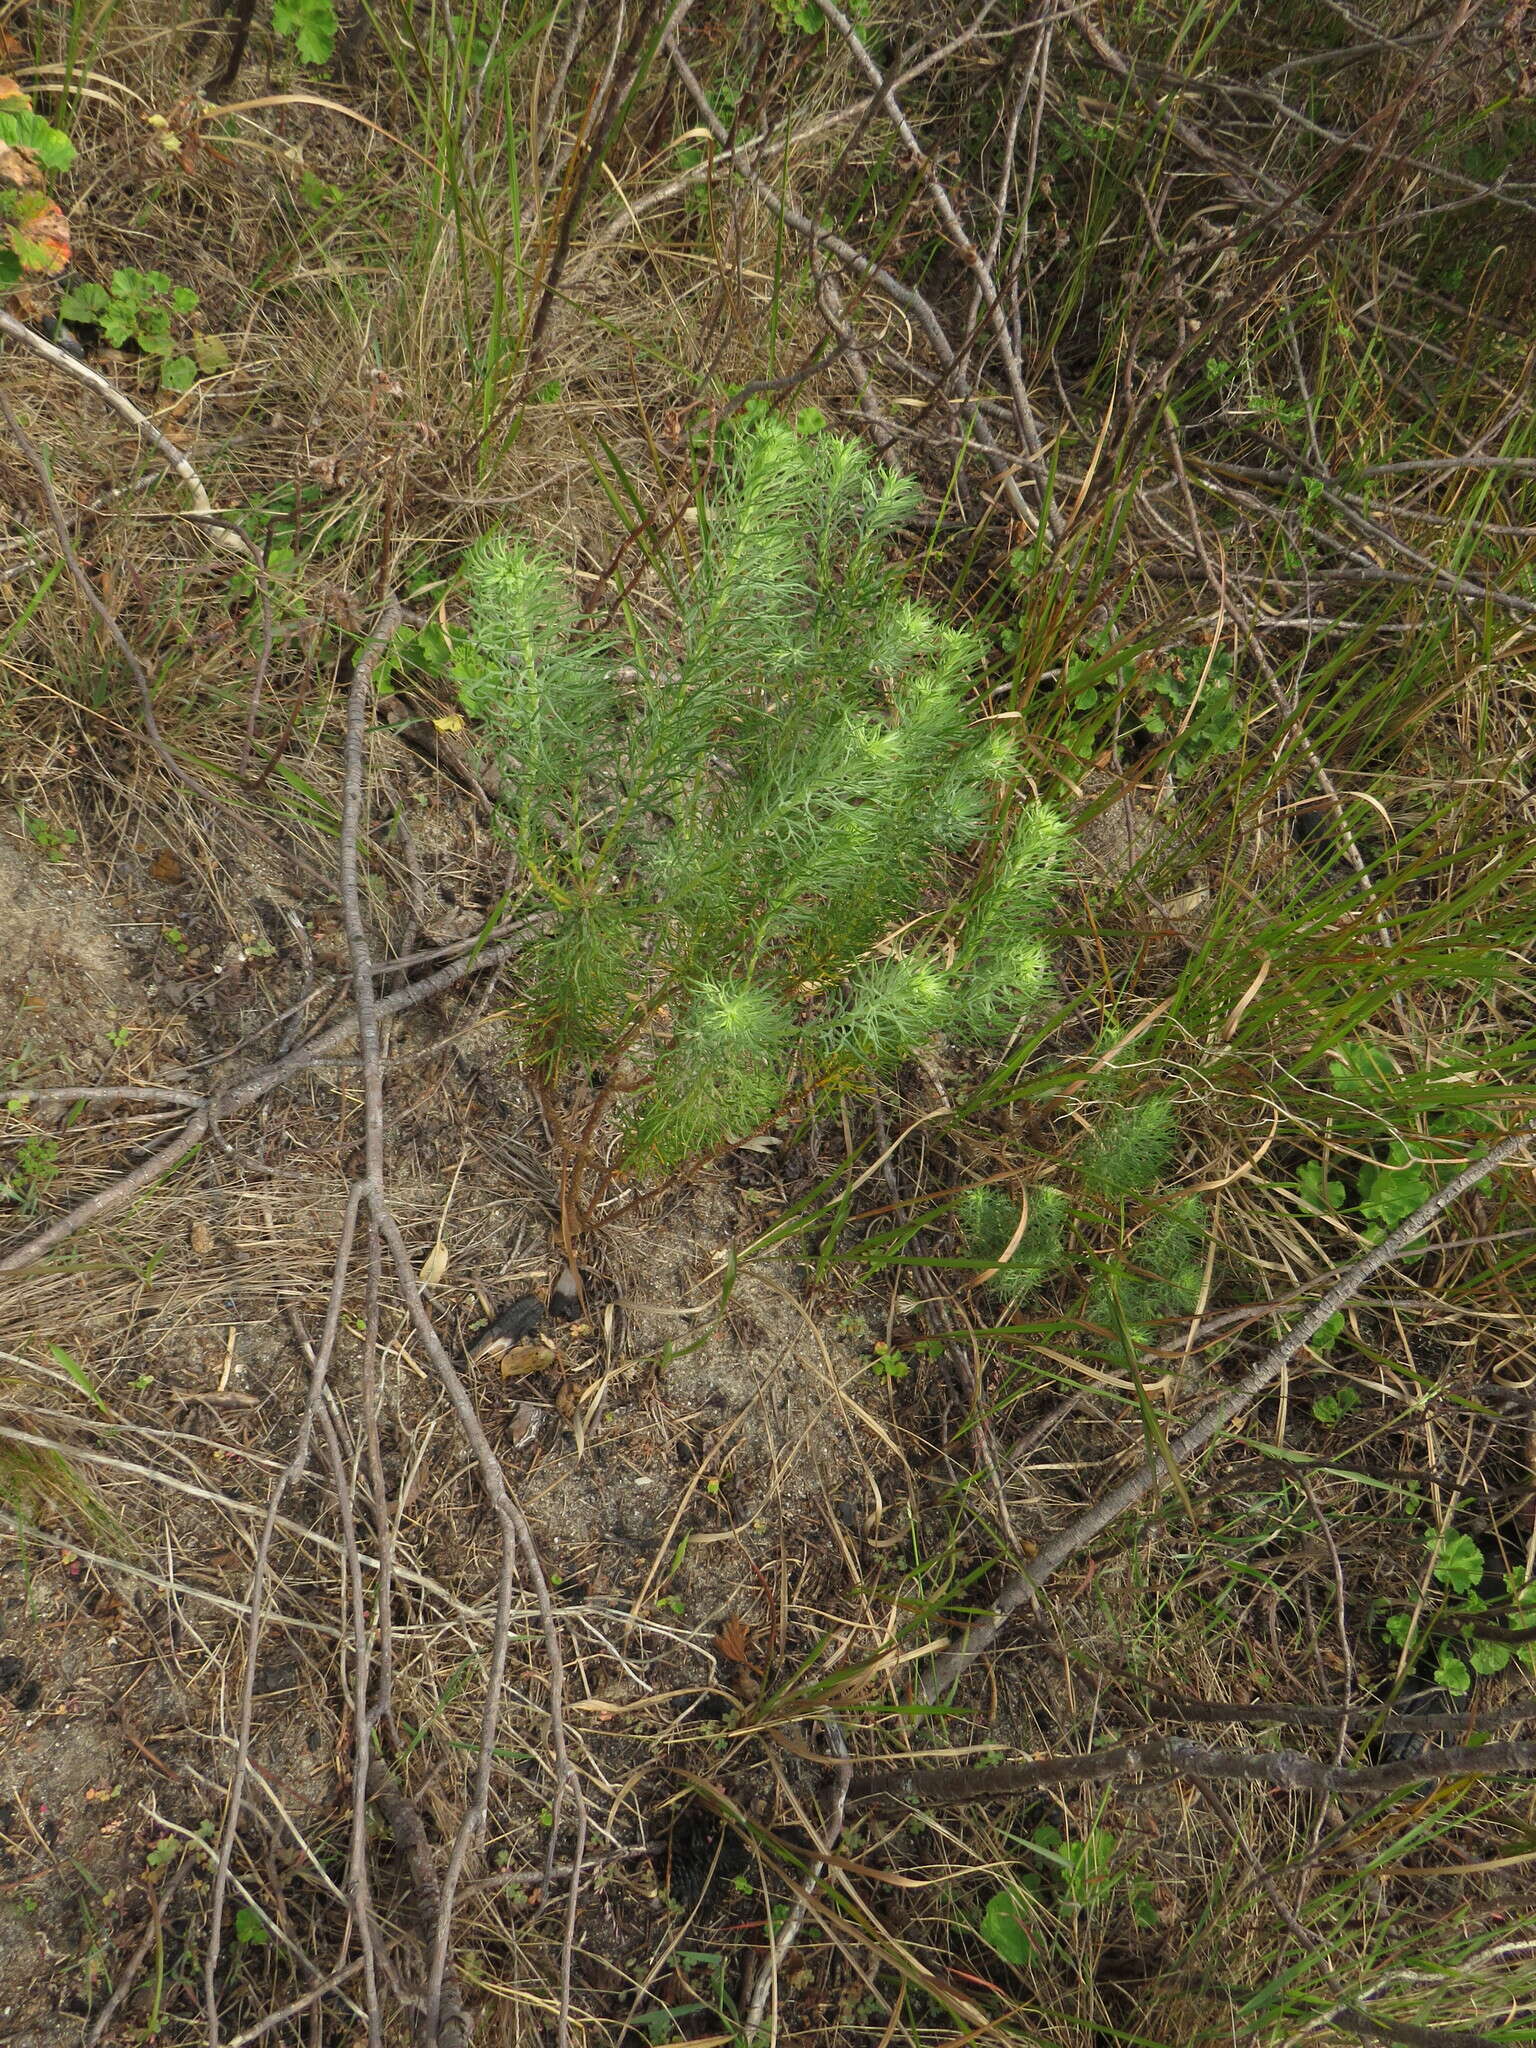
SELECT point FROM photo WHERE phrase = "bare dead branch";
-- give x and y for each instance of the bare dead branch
(1028, 1582)
(1175, 1756)
(243, 1094)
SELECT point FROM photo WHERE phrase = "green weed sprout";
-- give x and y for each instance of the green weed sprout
(988, 1218)
(756, 832)
(1471, 1634)
(1129, 1153)
(1140, 1279)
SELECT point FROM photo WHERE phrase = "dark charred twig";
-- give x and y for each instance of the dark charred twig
(1396, 2033)
(410, 1839)
(1295, 1715)
(646, 36)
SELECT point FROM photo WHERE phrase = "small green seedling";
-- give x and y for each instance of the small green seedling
(778, 852)
(54, 842)
(1463, 1626)
(1394, 1176)
(1144, 1271)
(1178, 702)
(140, 308)
(887, 1364)
(1331, 1409)
(34, 1169)
(316, 194)
(1390, 1192)
(250, 1928)
(804, 15)
(1319, 1191)
(1033, 1917)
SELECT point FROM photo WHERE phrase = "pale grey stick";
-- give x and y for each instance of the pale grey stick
(219, 529)
(1025, 1584)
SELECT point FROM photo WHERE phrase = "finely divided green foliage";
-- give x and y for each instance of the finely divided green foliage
(988, 1219)
(1146, 1270)
(1160, 1274)
(754, 827)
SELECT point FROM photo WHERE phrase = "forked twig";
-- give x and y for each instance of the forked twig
(445, 2022)
(975, 260)
(225, 1848)
(243, 1094)
(875, 274)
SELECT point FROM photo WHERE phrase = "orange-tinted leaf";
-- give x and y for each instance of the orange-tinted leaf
(734, 1642)
(40, 236)
(9, 89)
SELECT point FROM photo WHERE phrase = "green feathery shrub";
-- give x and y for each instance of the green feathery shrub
(1128, 1153)
(778, 850)
(988, 1218)
(1151, 1271)
(1160, 1275)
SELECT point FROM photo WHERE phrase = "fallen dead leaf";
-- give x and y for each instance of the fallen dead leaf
(734, 1642)
(526, 1358)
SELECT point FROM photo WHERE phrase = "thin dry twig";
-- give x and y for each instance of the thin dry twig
(831, 1835)
(244, 1094)
(870, 273)
(219, 529)
(1175, 1756)
(292, 1471)
(972, 257)
(1027, 1583)
(444, 2008)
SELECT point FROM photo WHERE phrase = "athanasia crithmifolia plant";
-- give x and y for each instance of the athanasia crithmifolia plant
(1146, 1249)
(778, 850)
